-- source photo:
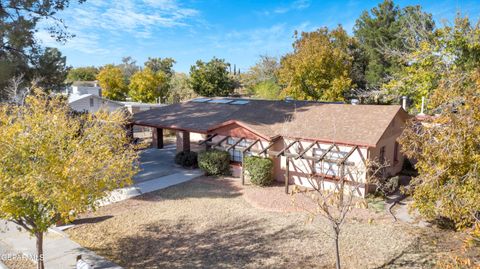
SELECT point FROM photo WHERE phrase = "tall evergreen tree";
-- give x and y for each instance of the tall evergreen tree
(19, 48)
(385, 33)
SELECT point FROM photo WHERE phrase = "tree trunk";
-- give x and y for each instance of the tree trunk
(337, 252)
(39, 236)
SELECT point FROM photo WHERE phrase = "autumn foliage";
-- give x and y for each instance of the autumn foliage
(55, 165)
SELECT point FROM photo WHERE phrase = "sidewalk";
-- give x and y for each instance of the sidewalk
(60, 251)
(150, 185)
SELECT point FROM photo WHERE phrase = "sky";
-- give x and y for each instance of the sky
(238, 31)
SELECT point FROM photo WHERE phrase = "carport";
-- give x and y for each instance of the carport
(183, 138)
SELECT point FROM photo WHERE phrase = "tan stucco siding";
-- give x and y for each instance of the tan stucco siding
(388, 141)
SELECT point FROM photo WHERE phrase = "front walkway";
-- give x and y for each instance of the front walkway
(60, 251)
(158, 171)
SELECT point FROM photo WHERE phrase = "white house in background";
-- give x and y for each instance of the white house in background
(84, 87)
(135, 107)
(92, 103)
(86, 96)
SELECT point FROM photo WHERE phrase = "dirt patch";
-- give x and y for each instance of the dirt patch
(207, 223)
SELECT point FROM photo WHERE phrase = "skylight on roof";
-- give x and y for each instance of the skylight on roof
(201, 100)
(240, 102)
(220, 101)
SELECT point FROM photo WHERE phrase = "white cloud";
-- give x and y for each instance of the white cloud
(295, 5)
(96, 20)
(133, 15)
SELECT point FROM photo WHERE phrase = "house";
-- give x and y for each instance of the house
(86, 96)
(303, 138)
(92, 103)
(135, 107)
(84, 87)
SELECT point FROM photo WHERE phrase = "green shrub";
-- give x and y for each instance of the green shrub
(388, 185)
(260, 170)
(186, 159)
(214, 162)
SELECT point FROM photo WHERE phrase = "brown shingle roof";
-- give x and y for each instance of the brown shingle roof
(342, 123)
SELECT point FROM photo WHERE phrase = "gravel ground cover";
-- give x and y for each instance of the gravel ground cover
(217, 223)
(19, 262)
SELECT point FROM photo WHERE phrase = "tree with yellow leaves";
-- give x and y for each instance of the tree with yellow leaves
(112, 82)
(447, 150)
(319, 67)
(55, 164)
(147, 85)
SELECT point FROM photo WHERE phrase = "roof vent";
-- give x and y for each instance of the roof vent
(288, 99)
(354, 102)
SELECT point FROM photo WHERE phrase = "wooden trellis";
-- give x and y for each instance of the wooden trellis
(285, 153)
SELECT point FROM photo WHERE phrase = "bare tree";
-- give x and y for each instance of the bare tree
(333, 203)
(16, 90)
(332, 199)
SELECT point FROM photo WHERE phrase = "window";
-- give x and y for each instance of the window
(91, 102)
(382, 155)
(328, 166)
(236, 155)
(395, 153)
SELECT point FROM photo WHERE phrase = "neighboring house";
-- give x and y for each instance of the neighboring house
(135, 107)
(303, 138)
(92, 103)
(84, 87)
(86, 96)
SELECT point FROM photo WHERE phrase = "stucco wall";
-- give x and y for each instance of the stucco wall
(195, 137)
(388, 141)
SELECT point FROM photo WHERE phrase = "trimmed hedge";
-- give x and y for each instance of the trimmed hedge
(186, 159)
(214, 162)
(260, 170)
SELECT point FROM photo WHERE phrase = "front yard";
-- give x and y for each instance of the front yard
(216, 223)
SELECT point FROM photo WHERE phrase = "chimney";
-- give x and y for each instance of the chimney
(404, 102)
(354, 102)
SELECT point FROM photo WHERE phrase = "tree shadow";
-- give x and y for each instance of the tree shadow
(236, 244)
(91, 220)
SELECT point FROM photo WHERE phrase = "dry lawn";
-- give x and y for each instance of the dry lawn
(210, 223)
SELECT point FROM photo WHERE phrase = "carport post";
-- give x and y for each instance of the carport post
(183, 141)
(243, 169)
(186, 141)
(157, 138)
(287, 173)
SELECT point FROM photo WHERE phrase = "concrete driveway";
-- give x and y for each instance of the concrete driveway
(156, 163)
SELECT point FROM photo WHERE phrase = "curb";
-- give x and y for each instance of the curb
(58, 231)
